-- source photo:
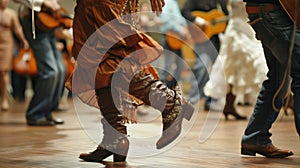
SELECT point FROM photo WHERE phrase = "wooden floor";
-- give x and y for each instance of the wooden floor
(212, 142)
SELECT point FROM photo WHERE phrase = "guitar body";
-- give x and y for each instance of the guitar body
(47, 20)
(67, 60)
(292, 9)
(174, 40)
(217, 24)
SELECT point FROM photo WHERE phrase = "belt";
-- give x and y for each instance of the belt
(262, 8)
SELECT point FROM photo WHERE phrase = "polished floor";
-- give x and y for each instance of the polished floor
(208, 141)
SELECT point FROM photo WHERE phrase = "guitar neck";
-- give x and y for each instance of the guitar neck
(220, 20)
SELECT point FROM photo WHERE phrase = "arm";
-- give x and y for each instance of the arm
(17, 29)
(187, 10)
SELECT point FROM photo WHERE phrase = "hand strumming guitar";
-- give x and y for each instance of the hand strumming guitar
(202, 23)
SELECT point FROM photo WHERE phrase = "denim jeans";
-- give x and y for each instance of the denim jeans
(274, 29)
(206, 54)
(173, 65)
(51, 72)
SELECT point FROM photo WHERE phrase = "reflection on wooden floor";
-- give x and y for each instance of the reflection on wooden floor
(211, 141)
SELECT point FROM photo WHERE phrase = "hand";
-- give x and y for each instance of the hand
(156, 6)
(25, 45)
(53, 5)
(202, 23)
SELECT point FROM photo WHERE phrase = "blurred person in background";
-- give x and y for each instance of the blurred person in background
(206, 50)
(174, 22)
(9, 25)
(50, 79)
(243, 63)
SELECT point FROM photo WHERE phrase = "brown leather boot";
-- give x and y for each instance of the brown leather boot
(114, 143)
(229, 108)
(114, 140)
(269, 151)
(172, 119)
(174, 108)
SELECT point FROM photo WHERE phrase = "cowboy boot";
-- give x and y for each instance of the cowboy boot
(229, 108)
(176, 108)
(114, 140)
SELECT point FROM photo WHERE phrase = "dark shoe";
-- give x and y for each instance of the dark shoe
(40, 122)
(100, 153)
(229, 108)
(209, 103)
(172, 126)
(96, 156)
(206, 106)
(236, 115)
(57, 120)
(269, 151)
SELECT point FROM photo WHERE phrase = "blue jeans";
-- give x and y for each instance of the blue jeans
(50, 79)
(173, 65)
(274, 29)
(206, 54)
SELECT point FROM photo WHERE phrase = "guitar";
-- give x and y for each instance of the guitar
(292, 8)
(67, 59)
(47, 19)
(217, 24)
(174, 40)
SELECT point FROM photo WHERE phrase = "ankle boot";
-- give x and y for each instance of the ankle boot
(229, 108)
(114, 141)
(172, 119)
(174, 108)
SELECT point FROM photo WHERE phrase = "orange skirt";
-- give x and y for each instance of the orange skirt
(102, 39)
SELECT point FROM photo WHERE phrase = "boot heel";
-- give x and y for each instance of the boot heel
(226, 116)
(119, 158)
(121, 153)
(247, 152)
(188, 111)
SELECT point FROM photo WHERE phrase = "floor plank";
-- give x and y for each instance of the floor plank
(23, 146)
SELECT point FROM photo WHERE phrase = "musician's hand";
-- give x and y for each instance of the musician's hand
(53, 5)
(157, 5)
(202, 23)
